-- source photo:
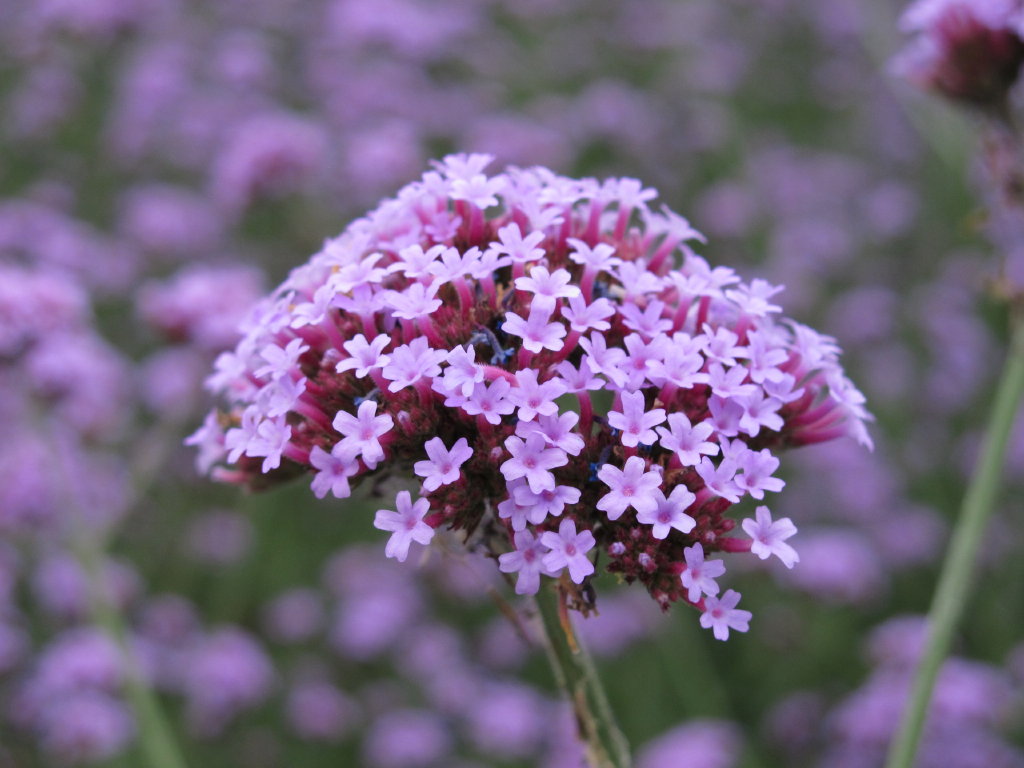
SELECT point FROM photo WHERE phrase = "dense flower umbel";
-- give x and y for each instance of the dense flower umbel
(569, 380)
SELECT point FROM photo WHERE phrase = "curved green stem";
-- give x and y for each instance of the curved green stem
(156, 740)
(574, 670)
(955, 579)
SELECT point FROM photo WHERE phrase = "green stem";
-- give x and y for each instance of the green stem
(156, 740)
(574, 671)
(955, 580)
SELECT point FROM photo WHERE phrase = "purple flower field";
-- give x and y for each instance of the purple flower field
(336, 337)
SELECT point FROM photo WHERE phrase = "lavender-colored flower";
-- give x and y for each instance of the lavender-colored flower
(971, 52)
(465, 274)
(407, 739)
(527, 559)
(770, 537)
(569, 550)
(224, 674)
(700, 574)
(406, 525)
(219, 538)
(443, 465)
(86, 727)
(697, 744)
(630, 486)
(721, 615)
(635, 421)
(318, 711)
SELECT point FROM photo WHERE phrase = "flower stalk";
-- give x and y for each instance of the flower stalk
(574, 670)
(956, 577)
(155, 740)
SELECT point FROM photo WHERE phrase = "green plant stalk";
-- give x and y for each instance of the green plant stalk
(155, 740)
(575, 673)
(957, 570)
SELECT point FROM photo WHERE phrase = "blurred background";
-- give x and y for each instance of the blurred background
(163, 163)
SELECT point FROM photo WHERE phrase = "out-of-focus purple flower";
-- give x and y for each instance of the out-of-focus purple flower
(169, 382)
(61, 586)
(320, 712)
(84, 380)
(967, 51)
(375, 606)
(219, 538)
(407, 739)
(265, 157)
(625, 618)
(14, 644)
(44, 236)
(85, 727)
(78, 660)
(36, 303)
(171, 221)
(898, 642)
(838, 565)
(224, 674)
(507, 719)
(44, 99)
(294, 616)
(698, 744)
(201, 305)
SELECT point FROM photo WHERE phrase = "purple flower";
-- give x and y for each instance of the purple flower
(755, 478)
(547, 288)
(669, 512)
(412, 362)
(463, 373)
(699, 576)
(635, 421)
(443, 466)
(631, 486)
(519, 248)
(527, 559)
(532, 459)
(697, 744)
(569, 549)
(406, 525)
(770, 537)
(970, 52)
(272, 437)
(533, 398)
(318, 711)
(515, 308)
(688, 441)
(225, 673)
(86, 727)
(721, 615)
(333, 471)
(537, 333)
(363, 431)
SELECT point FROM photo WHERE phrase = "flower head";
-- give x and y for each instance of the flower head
(968, 51)
(559, 368)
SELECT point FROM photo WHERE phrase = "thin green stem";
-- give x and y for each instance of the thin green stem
(574, 671)
(156, 740)
(957, 570)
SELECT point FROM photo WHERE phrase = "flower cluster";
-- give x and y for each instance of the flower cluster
(967, 51)
(559, 368)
